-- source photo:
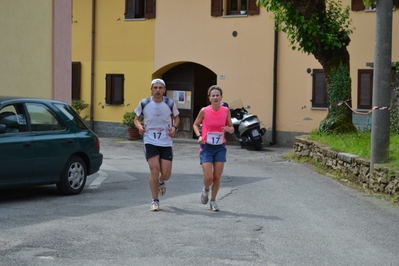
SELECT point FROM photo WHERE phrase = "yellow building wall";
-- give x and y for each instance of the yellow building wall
(121, 47)
(25, 49)
(246, 61)
(184, 31)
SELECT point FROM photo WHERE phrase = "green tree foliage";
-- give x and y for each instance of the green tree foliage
(79, 106)
(321, 28)
(333, 123)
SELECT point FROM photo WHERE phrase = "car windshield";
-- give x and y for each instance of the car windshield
(72, 115)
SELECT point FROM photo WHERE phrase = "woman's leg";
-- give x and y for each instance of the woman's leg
(217, 174)
(207, 168)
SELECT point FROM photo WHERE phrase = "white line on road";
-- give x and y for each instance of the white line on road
(97, 182)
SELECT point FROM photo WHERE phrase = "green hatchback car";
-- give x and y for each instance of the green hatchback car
(45, 142)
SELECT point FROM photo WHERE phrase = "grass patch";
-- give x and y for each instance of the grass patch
(358, 143)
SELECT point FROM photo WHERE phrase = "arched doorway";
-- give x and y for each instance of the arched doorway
(188, 84)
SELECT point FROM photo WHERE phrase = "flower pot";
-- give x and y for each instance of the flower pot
(133, 133)
(243, 12)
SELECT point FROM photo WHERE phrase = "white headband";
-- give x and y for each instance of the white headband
(158, 81)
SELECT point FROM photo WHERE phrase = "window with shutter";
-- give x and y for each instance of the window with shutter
(216, 8)
(364, 88)
(114, 88)
(319, 89)
(252, 8)
(150, 8)
(357, 5)
(139, 9)
(234, 7)
(76, 74)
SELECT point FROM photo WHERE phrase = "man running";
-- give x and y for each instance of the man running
(161, 120)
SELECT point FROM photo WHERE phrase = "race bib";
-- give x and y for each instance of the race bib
(157, 133)
(215, 138)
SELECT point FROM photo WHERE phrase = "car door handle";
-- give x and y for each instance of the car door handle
(70, 141)
(27, 144)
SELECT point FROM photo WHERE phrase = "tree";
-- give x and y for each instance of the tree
(321, 28)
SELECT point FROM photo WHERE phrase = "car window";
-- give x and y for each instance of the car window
(42, 118)
(72, 115)
(13, 117)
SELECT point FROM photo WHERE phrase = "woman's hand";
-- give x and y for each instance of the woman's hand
(201, 140)
(228, 129)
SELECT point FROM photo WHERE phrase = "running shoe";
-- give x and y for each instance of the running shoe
(204, 196)
(214, 206)
(162, 188)
(154, 206)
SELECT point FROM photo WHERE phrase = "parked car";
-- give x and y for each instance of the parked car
(45, 142)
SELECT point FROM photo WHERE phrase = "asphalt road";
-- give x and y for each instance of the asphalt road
(273, 212)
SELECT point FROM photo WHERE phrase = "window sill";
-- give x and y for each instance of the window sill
(374, 9)
(319, 108)
(235, 16)
(363, 110)
(114, 104)
(134, 19)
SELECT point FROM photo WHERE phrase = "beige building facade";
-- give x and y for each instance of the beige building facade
(36, 48)
(119, 46)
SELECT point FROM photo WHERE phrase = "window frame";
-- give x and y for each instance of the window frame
(217, 7)
(147, 9)
(365, 93)
(318, 89)
(113, 89)
(357, 5)
(76, 80)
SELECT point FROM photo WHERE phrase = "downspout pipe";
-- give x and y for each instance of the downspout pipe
(274, 112)
(93, 26)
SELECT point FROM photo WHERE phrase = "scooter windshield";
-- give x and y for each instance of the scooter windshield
(236, 104)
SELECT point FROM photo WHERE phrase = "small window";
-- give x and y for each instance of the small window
(76, 74)
(234, 7)
(319, 89)
(139, 9)
(43, 118)
(357, 5)
(114, 92)
(72, 115)
(364, 88)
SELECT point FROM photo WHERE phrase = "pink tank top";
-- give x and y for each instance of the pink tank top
(214, 122)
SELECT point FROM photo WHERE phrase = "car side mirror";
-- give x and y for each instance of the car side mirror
(2, 128)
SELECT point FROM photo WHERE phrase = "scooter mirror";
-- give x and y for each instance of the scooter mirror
(247, 107)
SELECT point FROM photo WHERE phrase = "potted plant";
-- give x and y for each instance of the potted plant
(128, 119)
(243, 9)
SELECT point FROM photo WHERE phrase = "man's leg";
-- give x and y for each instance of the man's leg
(155, 167)
(166, 170)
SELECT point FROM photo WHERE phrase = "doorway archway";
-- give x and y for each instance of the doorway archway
(187, 84)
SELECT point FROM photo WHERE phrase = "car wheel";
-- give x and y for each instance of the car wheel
(73, 177)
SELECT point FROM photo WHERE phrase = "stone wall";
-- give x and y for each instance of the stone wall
(349, 166)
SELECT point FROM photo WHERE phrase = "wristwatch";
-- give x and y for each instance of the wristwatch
(176, 129)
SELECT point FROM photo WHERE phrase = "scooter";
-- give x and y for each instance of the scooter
(248, 130)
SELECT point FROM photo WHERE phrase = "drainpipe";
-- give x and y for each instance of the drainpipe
(93, 21)
(274, 86)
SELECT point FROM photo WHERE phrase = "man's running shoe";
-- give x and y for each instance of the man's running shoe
(162, 188)
(213, 206)
(154, 206)
(204, 196)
